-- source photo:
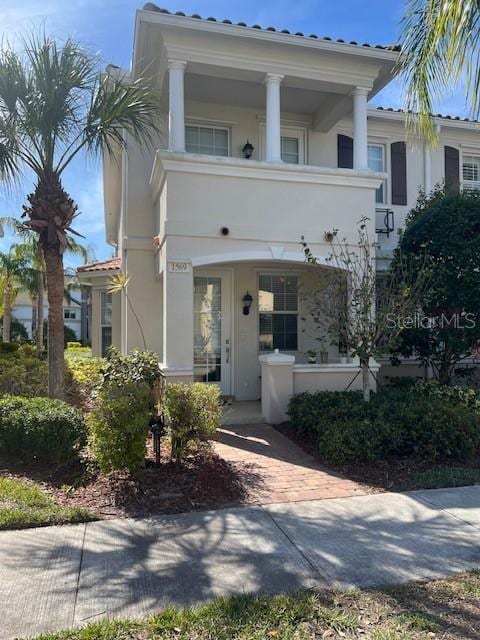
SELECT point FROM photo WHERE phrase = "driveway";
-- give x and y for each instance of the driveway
(57, 577)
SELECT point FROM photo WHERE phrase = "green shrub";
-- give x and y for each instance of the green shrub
(118, 426)
(425, 420)
(8, 347)
(193, 413)
(49, 431)
(138, 366)
(83, 377)
(22, 373)
(76, 350)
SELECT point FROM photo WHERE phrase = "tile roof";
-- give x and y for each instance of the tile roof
(112, 264)
(150, 6)
(435, 115)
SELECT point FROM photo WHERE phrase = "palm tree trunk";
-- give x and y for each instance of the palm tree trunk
(55, 290)
(39, 333)
(7, 314)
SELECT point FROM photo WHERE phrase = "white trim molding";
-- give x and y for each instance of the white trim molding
(256, 170)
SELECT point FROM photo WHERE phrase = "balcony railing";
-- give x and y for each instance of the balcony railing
(384, 221)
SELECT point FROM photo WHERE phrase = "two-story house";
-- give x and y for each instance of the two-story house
(268, 137)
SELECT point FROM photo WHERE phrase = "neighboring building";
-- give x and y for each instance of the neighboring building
(74, 312)
(205, 221)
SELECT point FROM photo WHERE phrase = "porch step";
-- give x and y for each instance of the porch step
(248, 412)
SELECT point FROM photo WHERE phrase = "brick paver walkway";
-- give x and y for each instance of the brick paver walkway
(276, 470)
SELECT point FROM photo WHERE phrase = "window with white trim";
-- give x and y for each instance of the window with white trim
(290, 151)
(69, 315)
(106, 321)
(376, 162)
(277, 312)
(293, 142)
(471, 173)
(207, 140)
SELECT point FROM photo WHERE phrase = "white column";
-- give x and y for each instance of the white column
(360, 134)
(277, 385)
(273, 143)
(177, 321)
(176, 106)
(427, 168)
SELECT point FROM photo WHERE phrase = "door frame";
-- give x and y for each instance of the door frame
(226, 274)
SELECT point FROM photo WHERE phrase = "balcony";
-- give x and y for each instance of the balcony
(231, 201)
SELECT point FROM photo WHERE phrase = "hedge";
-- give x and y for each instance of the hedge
(426, 421)
(49, 431)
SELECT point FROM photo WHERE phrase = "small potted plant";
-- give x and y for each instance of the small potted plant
(311, 355)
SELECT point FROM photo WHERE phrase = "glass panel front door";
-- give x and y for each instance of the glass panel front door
(211, 335)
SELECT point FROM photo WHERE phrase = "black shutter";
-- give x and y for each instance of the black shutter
(345, 152)
(398, 151)
(452, 168)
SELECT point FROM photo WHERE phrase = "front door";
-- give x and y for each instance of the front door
(211, 329)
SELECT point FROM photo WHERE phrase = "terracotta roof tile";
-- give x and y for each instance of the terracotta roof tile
(112, 264)
(435, 115)
(150, 6)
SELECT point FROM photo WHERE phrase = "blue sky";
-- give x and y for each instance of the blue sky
(106, 27)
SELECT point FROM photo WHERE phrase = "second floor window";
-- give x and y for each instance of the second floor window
(210, 141)
(290, 150)
(376, 162)
(471, 173)
(69, 315)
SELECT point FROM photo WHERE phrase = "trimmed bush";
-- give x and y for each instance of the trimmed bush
(193, 412)
(426, 420)
(118, 426)
(49, 431)
(22, 373)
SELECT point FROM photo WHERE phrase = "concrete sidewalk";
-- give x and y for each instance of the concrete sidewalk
(58, 577)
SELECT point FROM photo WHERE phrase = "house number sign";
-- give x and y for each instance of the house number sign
(179, 267)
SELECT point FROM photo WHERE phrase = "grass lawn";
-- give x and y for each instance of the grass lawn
(24, 504)
(446, 609)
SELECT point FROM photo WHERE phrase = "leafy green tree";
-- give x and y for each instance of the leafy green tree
(55, 103)
(442, 234)
(440, 48)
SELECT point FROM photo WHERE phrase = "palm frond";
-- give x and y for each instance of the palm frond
(120, 110)
(439, 51)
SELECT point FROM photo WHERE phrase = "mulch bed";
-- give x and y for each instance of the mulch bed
(394, 474)
(203, 481)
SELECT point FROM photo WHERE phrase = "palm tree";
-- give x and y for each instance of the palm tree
(440, 49)
(31, 249)
(15, 275)
(55, 104)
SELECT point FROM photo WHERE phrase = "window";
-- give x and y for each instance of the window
(211, 141)
(278, 312)
(471, 173)
(69, 315)
(289, 150)
(376, 162)
(106, 321)
(293, 144)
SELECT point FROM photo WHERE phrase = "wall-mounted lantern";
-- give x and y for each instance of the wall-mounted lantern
(247, 303)
(248, 150)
